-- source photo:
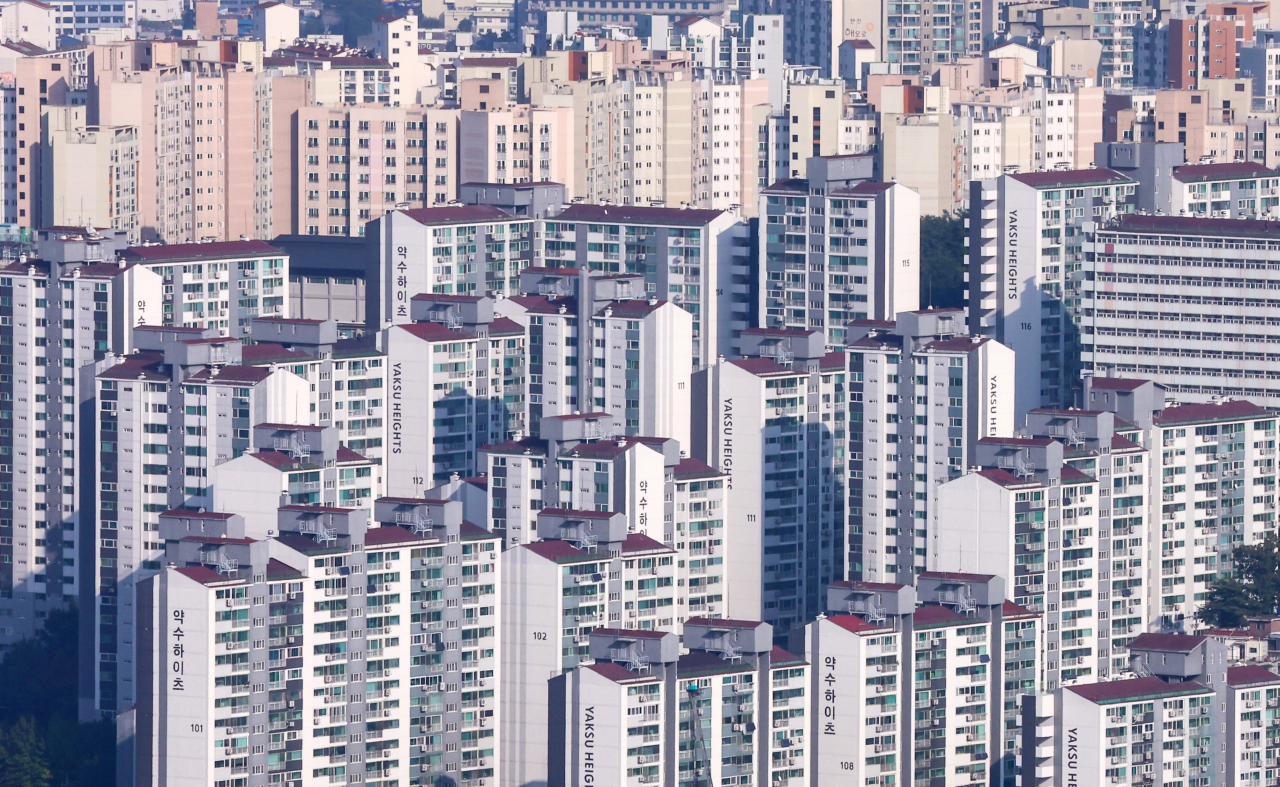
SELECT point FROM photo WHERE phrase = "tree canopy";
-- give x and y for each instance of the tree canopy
(42, 744)
(1254, 590)
(942, 262)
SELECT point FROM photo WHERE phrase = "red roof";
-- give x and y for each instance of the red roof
(956, 576)
(688, 469)
(1116, 383)
(435, 332)
(1189, 225)
(1071, 177)
(937, 616)
(202, 251)
(723, 623)
(231, 375)
(205, 575)
(1012, 610)
(1070, 475)
(958, 344)
(1170, 643)
(577, 513)
(503, 326)
(1135, 688)
(638, 542)
(1251, 675)
(857, 584)
(1005, 478)
(631, 633)
(197, 514)
(784, 658)
(853, 623)
(1191, 173)
(764, 367)
(268, 352)
(637, 214)
(618, 673)
(280, 570)
(346, 455)
(559, 551)
(390, 534)
(1222, 411)
(632, 308)
(456, 213)
(279, 460)
(867, 188)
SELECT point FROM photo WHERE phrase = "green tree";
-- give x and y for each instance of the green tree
(39, 730)
(942, 262)
(22, 757)
(1253, 590)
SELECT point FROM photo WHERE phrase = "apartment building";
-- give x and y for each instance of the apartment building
(90, 179)
(648, 704)
(78, 19)
(388, 692)
(342, 154)
(1026, 242)
(797, 127)
(433, 410)
(686, 256)
(581, 462)
(1228, 191)
(1160, 727)
(955, 719)
(39, 80)
(922, 37)
(278, 93)
(772, 427)
(1052, 522)
(725, 118)
(918, 150)
(169, 414)
(602, 347)
(515, 143)
(449, 250)
(593, 574)
(906, 436)
(1216, 484)
(1107, 722)
(1066, 119)
(1205, 121)
(196, 158)
(994, 139)
(753, 51)
(58, 314)
(1207, 42)
(634, 139)
(1252, 693)
(836, 249)
(218, 285)
(1159, 259)
(856, 130)
(1258, 59)
(348, 377)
